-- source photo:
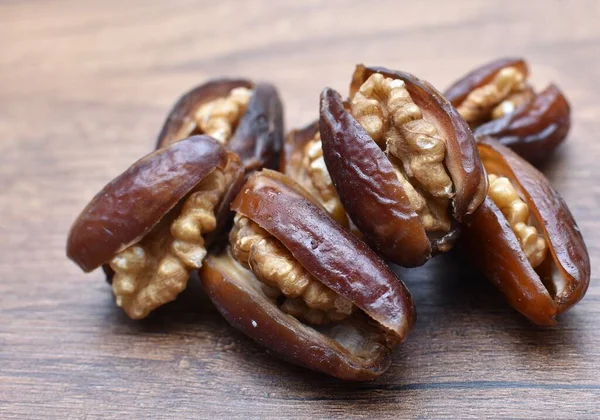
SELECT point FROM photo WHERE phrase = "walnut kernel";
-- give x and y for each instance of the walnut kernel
(516, 211)
(218, 118)
(319, 181)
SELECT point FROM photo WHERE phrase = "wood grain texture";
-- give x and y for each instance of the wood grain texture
(85, 87)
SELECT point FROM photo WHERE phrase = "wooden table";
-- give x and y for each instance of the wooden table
(84, 89)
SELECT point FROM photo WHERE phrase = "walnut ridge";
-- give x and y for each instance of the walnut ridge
(321, 182)
(303, 161)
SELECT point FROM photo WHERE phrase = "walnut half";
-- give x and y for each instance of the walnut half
(499, 97)
(219, 117)
(303, 161)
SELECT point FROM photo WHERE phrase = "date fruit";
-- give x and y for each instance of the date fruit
(152, 223)
(245, 116)
(525, 240)
(298, 283)
(403, 161)
(498, 102)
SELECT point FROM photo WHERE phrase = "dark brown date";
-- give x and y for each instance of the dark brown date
(151, 225)
(525, 239)
(245, 116)
(498, 102)
(298, 283)
(403, 162)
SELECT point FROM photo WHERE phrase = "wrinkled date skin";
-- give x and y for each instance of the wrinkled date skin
(562, 273)
(355, 347)
(245, 116)
(371, 189)
(532, 124)
(150, 226)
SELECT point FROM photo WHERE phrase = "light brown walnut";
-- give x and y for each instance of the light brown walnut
(516, 211)
(275, 266)
(156, 269)
(416, 150)
(433, 213)
(495, 99)
(219, 117)
(318, 181)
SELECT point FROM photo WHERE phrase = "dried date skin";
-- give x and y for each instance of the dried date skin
(225, 281)
(535, 128)
(257, 137)
(566, 274)
(357, 348)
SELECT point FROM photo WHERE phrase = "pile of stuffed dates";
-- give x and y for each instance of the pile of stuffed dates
(293, 235)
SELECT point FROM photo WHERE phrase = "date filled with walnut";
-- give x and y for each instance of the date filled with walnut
(497, 101)
(299, 284)
(525, 239)
(403, 162)
(152, 224)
